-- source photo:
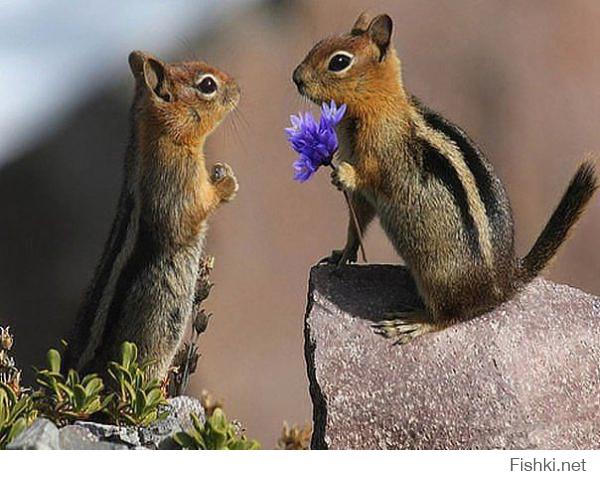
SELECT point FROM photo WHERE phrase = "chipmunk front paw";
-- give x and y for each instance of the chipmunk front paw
(343, 177)
(223, 178)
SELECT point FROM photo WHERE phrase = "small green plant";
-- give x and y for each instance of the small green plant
(65, 399)
(17, 412)
(217, 433)
(9, 373)
(136, 398)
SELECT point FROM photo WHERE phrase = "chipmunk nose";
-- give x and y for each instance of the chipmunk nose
(297, 78)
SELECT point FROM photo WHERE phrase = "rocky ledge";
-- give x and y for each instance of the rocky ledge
(526, 375)
(45, 435)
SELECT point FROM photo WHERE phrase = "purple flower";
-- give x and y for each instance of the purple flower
(314, 142)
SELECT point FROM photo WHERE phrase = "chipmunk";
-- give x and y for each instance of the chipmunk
(143, 288)
(436, 195)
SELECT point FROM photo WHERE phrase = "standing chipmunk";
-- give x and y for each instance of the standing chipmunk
(143, 288)
(437, 197)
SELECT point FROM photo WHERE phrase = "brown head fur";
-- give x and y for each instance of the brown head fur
(174, 102)
(373, 77)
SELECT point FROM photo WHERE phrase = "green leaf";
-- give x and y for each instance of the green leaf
(196, 422)
(88, 378)
(129, 354)
(93, 386)
(72, 378)
(119, 373)
(131, 392)
(53, 359)
(19, 408)
(152, 384)
(128, 418)
(155, 397)
(186, 442)
(163, 415)
(219, 440)
(218, 421)
(80, 397)
(11, 397)
(17, 427)
(61, 387)
(140, 403)
(107, 400)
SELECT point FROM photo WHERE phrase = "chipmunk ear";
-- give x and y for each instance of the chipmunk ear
(151, 73)
(380, 31)
(361, 24)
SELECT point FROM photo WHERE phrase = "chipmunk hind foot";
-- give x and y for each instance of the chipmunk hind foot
(339, 258)
(405, 325)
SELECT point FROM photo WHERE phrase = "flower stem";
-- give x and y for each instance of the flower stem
(354, 221)
(356, 226)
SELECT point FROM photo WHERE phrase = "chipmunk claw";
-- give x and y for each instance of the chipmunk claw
(404, 326)
(339, 258)
(219, 171)
(335, 181)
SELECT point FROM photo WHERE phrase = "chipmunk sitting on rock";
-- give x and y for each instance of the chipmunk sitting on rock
(144, 285)
(437, 197)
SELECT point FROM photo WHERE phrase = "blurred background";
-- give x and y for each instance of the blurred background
(523, 78)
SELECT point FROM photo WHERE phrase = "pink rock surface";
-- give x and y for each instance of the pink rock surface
(526, 375)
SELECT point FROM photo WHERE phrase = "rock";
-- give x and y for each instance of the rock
(127, 436)
(179, 419)
(526, 375)
(42, 434)
(156, 436)
(75, 437)
(131, 437)
(182, 408)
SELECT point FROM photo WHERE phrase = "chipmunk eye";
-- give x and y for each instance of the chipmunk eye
(340, 61)
(207, 85)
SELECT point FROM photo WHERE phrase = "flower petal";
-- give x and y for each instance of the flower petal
(315, 142)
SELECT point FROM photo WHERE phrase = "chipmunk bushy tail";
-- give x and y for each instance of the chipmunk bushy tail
(572, 204)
